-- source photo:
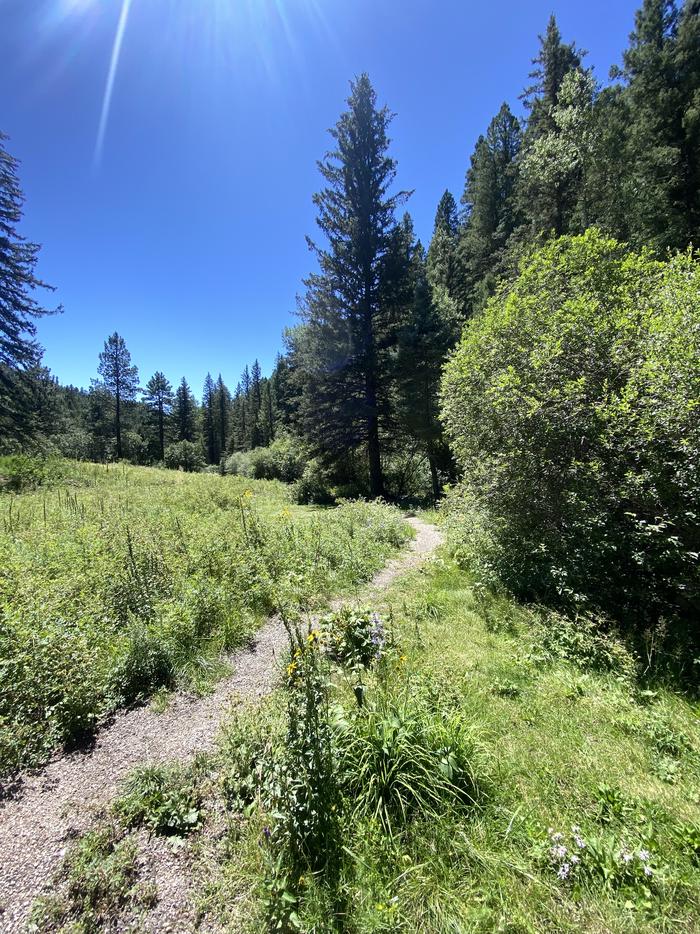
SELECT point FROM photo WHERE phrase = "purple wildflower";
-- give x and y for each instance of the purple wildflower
(644, 856)
(648, 871)
(558, 852)
(563, 871)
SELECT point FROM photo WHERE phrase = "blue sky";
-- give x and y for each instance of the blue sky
(188, 234)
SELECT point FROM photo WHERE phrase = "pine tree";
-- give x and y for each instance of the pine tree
(211, 437)
(185, 412)
(223, 410)
(552, 63)
(555, 60)
(444, 273)
(158, 397)
(20, 354)
(424, 341)
(119, 380)
(254, 405)
(661, 158)
(687, 55)
(554, 165)
(490, 207)
(345, 323)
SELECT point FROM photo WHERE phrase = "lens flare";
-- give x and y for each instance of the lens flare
(111, 76)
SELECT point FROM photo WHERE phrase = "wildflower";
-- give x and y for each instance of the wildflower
(312, 636)
(403, 659)
(267, 833)
(626, 857)
(575, 859)
(648, 871)
(575, 828)
(579, 841)
(563, 871)
(291, 669)
(556, 837)
(558, 852)
(644, 856)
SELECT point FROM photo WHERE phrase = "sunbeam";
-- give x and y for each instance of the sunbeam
(109, 87)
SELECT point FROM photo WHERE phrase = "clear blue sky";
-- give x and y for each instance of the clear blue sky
(187, 236)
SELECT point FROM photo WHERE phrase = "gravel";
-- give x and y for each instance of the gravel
(53, 806)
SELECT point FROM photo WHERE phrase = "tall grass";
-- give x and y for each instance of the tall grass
(120, 580)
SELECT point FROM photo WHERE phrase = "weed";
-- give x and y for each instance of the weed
(163, 799)
(98, 880)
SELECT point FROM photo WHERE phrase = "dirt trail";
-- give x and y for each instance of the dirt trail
(58, 803)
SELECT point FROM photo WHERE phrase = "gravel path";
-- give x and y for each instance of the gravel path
(61, 801)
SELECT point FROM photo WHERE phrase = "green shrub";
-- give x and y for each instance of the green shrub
(184, 455)
(314, 485)
(146, 665)
(164, 799)
(283, 459)
(573, 403)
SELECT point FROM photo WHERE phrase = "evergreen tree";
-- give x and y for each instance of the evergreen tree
(185, 412)
(661, 155)
(209, 427)
(490, 207)
(223, 408)
(119, 380)
(254, 405)
(555, 60)
(443, 269)
(344, 318)
(554, 165)
(20, 354)
(424, 341)
(158, 397)
(688, 70)
(267, 419)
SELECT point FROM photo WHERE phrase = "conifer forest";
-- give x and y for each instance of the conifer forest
(403, 633)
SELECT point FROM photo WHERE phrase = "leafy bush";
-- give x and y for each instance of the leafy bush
(573, 404)
(282, 460)
(163, 799)
(146, 665)
(314, 485)
(353, 638)
(184, 455)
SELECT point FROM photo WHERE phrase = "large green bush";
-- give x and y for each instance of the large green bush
(573, 404)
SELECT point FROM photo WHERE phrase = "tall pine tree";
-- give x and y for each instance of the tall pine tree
(20, 354)
(345, 321)
(119, 380)
(158, 397)
(185, 414)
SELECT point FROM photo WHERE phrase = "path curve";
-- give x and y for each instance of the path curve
(60, 802)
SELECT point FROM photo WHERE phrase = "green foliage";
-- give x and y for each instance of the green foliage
(401, 760)
(353, 638)
(183, 455)
(572, 405)
(98, 880)
(164, 799)
(146, 576)
(314, 485)
(283, 460)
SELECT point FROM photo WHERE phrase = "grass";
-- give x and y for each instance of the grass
(117, 582)
(547, 733)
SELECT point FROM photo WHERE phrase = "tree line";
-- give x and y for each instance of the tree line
(358, 383)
